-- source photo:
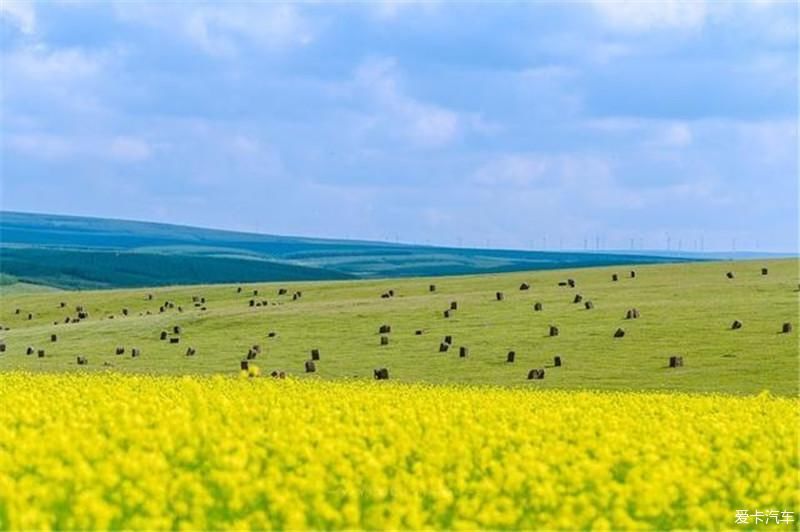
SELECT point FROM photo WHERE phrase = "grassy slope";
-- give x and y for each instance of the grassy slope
(686, 309)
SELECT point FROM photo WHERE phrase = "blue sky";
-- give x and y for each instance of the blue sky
(524, 125)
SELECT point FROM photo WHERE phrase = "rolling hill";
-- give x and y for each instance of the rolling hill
(86, 253)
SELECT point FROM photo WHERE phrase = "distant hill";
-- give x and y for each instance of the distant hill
(80, 253)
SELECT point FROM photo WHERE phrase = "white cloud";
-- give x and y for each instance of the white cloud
(425, 124)
(221, 30)
(42, 64)
(524, 170)
(129, 149)
(650, 133)
(20, 13)
(52, 147)
(640, 15)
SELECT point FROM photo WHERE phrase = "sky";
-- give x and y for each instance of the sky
(531, 125)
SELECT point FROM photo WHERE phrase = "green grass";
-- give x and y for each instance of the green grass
(686, 309)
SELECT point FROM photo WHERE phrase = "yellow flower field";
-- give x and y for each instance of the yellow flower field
(110, 451)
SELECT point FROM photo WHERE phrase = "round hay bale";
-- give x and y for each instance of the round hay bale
(53, 337)
(736, 325)
(310, 366)
(730, 275)
(614, 277)
(448, 339)
(619, 333)
(524, 286)
(577, 299)
(536, 374)
(443, 347)
(381, 374)
(675, 361)
(315, 354)
(384, 340)
(588, 305)
(499, 296)
(764, 271)
(553, 330)
(786, 328)
(511, 356)
(537, 307)
(432, 288)
(463, 351)
(454, 305)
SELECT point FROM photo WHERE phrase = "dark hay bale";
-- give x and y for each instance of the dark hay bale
(764, 271)
(511, 356)
(443, 347)
(499, 296)
(124, 312)
(294, 297)
(384, 340)
(418, 332)
(588, 305)
(174, 340)
(40, 353)
(149, 297)
(2, 348)
(202, 300)
(315, 354)
(203, 309)
(446, 313)
(82, 361)
(119, 350)
(256, 348)
(83, 315)
(391, 293)
(252, 302)
(251, 354)
(180, 309)
(730, 275)
(281, 291)
(381, 374)
(272, 334)
(163, 335)
(632, 314)
(244, 365)
(310, 366)
(432, 288)
(448, 339)
(274, 374)
(736, 325)
(614, 277)
(196, 299)
(62, 304)
(536, 374)
(553, 331)
(675, 362)
(176, 329)
(385, 296)
(454, 305)
(29, 350)
(463, 351)
(53, 337)
(30, 316)
(578, 298)
(238, 289)
(786, 328)
(537, 307)
(281, 374)
(633, 274)
(619, 333)
(571, 283)
(524, 286)
(161, 309)
(264, 302)
(135, 353)
(557, 361)
(191, 351)
(255, 292)
(385, 329)
(562, 283)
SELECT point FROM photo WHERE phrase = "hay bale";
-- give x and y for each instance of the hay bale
(82, 360)
(633, 274)
(40, 353)
(381, 374)
(571, 283)
(553, 330)
(135, 353)
(577, 299)
(524, 286)
(730, 275)
(294, 296)
(174, 340)
(614, 277)
(251, 354)
(82, 315)
(238, 289)
(675, 361)
(446, 313)
(256, 348)
(29, 350)
(443, 347)
(30, 316)
(536, 374)
(53, 337)
(315, 354)
(448, 339)
(119, 350)
(511, 356)
(252, 302)
(310, 366)
(176, 329)
(385, 295)
(432, 288)
(418, 332)
(384, 329)
(2, 347)
(384, 340)
(62, 304)
(619, 333)
(124, 311)
(149, 297)
(786, 328)
(244, 365)
(281, 291)
(391, 293)
(588, 305)
(161, 309)
(499, 296)
(463, 351)
(180, 309)
(191, 351)
(632, 314)
(163, 335)
(454, 305)
(562, 283)
(557, 361)
(736, 325)
(537, 307)
(764, 271)
(272, 334)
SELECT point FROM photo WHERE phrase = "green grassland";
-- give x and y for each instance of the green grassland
(686, 309)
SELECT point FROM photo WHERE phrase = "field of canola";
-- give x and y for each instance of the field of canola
(121, 451)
